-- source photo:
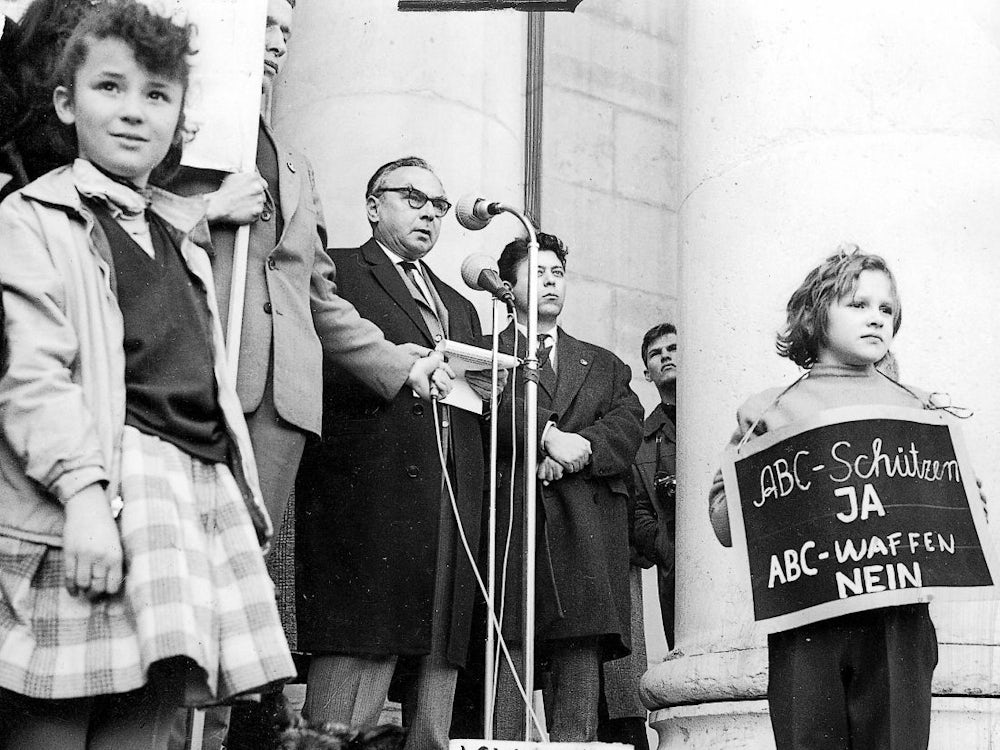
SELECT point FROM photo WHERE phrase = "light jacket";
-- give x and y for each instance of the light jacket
(62, 392)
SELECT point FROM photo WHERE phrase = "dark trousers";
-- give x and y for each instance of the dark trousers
(666, 584)
(571, 695)
(857, 682)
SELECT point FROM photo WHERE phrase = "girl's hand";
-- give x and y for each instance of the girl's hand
(92, 546)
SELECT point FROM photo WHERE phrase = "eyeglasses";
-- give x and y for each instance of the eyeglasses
(418, 199)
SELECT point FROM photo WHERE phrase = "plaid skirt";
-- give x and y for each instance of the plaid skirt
(195, 587)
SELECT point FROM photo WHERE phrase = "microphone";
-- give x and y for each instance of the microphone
(474, 212)
(480, 272)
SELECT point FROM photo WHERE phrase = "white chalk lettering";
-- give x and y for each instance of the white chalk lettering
(906, 462)
(870, 503)
(779, 478)
(870, 579)
(791, 565)
(849, 550)
(946, 546)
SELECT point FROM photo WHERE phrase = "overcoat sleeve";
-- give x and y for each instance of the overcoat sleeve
(348, 340)
(648, 537)
(615, 435)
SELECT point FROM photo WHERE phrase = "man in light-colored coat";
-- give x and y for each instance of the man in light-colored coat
(293, 318)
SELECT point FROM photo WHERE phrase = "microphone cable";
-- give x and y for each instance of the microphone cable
(501, 642)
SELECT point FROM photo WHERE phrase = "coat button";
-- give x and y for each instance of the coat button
(265, 215)
(438, 337)
(412, 471)
(418, 409)
(267, 307)
(272, 263)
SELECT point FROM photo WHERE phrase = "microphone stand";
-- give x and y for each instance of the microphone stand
(530, 468)
(530, 484)
(490, 665)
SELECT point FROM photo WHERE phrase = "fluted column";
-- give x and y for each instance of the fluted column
(804, 125)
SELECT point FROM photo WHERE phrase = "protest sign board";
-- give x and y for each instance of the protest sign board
(226, 73)
(223, 108)
(854, 509)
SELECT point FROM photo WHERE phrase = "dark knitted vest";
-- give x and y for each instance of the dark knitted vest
(169, 377)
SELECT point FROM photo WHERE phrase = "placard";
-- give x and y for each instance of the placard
(223, 102)
(854, 509)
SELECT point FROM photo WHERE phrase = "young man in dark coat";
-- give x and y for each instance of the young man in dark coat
(589, 427)
(655, 468)
(382, 574)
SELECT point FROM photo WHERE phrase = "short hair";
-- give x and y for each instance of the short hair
(809, 306)
(375, 182)
(660, 329)
(516, 253)
(159, 45)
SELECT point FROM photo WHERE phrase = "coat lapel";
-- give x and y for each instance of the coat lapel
(574, 359)
(389, 279)
(290, 171)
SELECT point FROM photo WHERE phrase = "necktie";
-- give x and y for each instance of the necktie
(546, 372)
(543, 349)
(426, 302)
(545, 342)
(413, 273)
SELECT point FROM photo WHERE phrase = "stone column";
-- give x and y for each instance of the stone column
(366, 84)
(802, 126)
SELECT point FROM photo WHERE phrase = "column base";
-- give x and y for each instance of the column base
(972, 723)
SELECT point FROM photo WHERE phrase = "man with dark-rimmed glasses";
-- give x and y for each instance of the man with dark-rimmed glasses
(384, 585)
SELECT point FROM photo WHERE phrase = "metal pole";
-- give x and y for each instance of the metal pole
(530, 483)
(489, 696)
(530, 464)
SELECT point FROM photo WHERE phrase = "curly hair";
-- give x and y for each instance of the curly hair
(160, 46)
(516, 253)
(809, 306)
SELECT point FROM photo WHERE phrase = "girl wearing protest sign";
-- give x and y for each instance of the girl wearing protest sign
(861, 680)
(116, 397)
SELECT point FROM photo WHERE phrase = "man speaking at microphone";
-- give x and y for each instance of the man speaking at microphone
(383, 579)
(589, 426)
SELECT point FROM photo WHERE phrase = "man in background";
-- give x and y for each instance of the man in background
(655, 468)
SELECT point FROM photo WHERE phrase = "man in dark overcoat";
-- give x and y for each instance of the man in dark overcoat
(589, 427)
(382, 574)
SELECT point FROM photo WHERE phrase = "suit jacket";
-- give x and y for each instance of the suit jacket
(369, 494)
(582, 575)
(292, 314)
(654, 523)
